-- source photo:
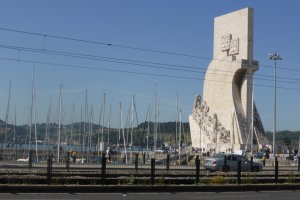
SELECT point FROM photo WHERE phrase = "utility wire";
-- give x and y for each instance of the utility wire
(130, 47)
(130, 72)
(136, 62)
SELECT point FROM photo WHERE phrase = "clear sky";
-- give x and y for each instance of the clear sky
(120, 62)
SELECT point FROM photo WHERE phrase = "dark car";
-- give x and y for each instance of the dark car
(259, 155)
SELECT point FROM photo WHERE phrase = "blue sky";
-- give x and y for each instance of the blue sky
(172, 26)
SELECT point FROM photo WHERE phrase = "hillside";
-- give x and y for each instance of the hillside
(166, 133)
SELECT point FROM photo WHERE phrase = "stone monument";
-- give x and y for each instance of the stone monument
(222, 121)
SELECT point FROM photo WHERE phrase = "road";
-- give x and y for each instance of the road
(265, 195)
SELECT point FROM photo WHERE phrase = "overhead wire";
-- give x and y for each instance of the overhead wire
(130, 61)
(135, 62)
(130, 47)
(132, 72)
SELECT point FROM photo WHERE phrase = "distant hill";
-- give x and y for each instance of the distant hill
(166, 133)
(285, 139)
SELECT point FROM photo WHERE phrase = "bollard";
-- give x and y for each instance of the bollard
(276, 170)
(144, 158)
(67, 164)
(49, 171)
(30, 159)
(103, 166)
(225, 167)
(298, 163)
(197, 169)
(51, 162)
(136, 162)
(152, 170)
(168, 162)
(239, 171)
(68, 161)
(251, 164)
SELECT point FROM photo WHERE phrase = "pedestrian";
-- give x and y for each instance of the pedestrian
(107, 154)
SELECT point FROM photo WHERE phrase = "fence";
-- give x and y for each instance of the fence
(164, 170)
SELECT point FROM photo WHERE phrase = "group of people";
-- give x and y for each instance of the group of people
(72, 155)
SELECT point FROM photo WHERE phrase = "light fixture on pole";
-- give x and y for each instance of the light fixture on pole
(274, 57)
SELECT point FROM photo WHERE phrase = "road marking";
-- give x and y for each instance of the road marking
(223, 197)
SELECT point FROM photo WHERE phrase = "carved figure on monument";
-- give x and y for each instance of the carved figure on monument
(197, 103)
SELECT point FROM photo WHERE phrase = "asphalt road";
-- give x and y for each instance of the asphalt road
(265, 195)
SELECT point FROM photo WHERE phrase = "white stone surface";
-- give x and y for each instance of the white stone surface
(222, 121)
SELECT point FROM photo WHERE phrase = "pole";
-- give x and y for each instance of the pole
(152, 171)
(239, 167)
(274, 57)
(274, 128)
(276, 170)
(197, 169)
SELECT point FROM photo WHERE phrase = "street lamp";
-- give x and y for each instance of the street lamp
(274, 57)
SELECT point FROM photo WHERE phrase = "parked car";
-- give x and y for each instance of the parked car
(216, 163)
(262, 154)
(160, 150)
(259, 155)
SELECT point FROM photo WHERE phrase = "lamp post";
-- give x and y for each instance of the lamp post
(275, 57)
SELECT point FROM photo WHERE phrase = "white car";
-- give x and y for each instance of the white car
(216, 163)
(160, 150)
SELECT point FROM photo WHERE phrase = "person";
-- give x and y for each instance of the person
(74, 155)
(295, 159)
(107, 155)
(264, 160)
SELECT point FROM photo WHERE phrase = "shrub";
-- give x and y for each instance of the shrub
(249, 179)
(217, 180)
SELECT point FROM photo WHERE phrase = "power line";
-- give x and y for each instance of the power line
(135, 62)
(130, 72)
(129, 47)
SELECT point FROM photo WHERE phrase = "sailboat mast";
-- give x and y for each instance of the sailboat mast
(15, 139)
(59, 122)
(252, 119)
(46, 141)
(35, 132)
(148, 131)
(102, 135)
(108, 136)
(155, 118)
(90, 131)
(6, 118)
(80, 131)
(98, 135)
(31, 113)
(176, 123)
(84, 123)
(72, 125)
(119, 131)
(124, 141)
(179, 139)
(131, 132)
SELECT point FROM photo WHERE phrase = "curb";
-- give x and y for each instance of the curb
(138, 189)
